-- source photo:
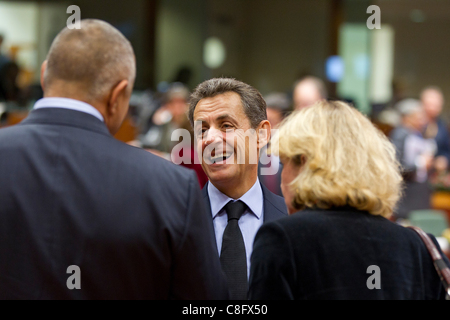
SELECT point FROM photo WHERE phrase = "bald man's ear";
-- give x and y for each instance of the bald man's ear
(118, 93)
(117, 106)
(43, 69)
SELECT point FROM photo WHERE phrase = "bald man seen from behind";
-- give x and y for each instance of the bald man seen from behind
(84, 216)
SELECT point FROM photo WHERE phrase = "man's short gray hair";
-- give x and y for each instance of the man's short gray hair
(317, 82)
(279, 101)
(408, 106)
(252, 100)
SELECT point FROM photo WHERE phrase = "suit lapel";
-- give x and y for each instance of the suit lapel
(208, 207)
(274, 206)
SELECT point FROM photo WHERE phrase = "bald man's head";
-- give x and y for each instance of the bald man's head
(94, 59)
(433, 101)
(308, 91)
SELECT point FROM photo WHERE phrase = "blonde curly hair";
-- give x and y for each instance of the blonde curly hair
(348, 160)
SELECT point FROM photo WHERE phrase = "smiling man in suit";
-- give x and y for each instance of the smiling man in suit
(71, 195)
(231, 127)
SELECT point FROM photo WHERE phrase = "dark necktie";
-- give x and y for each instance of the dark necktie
(232, 255)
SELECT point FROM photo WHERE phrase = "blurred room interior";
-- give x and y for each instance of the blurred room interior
(268, 44)
(265, 43)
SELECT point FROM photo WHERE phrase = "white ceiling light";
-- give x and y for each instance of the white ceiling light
(214, 53)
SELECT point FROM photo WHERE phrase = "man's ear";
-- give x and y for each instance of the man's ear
(117, 93)
(263, 132)
(43, 69)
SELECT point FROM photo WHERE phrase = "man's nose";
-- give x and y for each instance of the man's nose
(212, 135)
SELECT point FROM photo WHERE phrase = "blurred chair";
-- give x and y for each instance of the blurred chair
(128, 131)
(440, 200)
(15, 117)
(430, 221)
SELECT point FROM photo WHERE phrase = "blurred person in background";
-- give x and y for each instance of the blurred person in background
(224, 112)
(170, 116)
(278, 105)
(308, 91)
(185, 150)
(73, 196)
(3, 58)
(432, 100)
(341, 181)
(9, 90)
(9, 71)
(415, 154)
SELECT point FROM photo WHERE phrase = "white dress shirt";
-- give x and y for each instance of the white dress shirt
(416, 149)
(70, 104)
(250, 221)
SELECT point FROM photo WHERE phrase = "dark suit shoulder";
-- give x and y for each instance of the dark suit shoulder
(323, 217)
(274, 205)
(156, 178)
(278, 202)
(148, 162)
(339, 245)
(335, 229)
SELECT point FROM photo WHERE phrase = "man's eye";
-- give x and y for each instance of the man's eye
(202, 132)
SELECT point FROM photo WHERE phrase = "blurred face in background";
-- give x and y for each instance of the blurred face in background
(178, 107)
(416, 120)
(274, 116)
(433, 102)
(305, 95)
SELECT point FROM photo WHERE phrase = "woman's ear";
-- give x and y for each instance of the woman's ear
(299, 160)
(302, 160)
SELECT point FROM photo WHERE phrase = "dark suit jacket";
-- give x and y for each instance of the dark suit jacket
(71, 194)
(325, 254)
(271, 182)
(442, 139)
(274, 206)
(416, 195)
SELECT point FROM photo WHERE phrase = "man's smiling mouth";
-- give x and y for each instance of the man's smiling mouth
(219, 157)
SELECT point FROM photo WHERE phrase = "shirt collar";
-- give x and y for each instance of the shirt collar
(71, 104)
(253, 198)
